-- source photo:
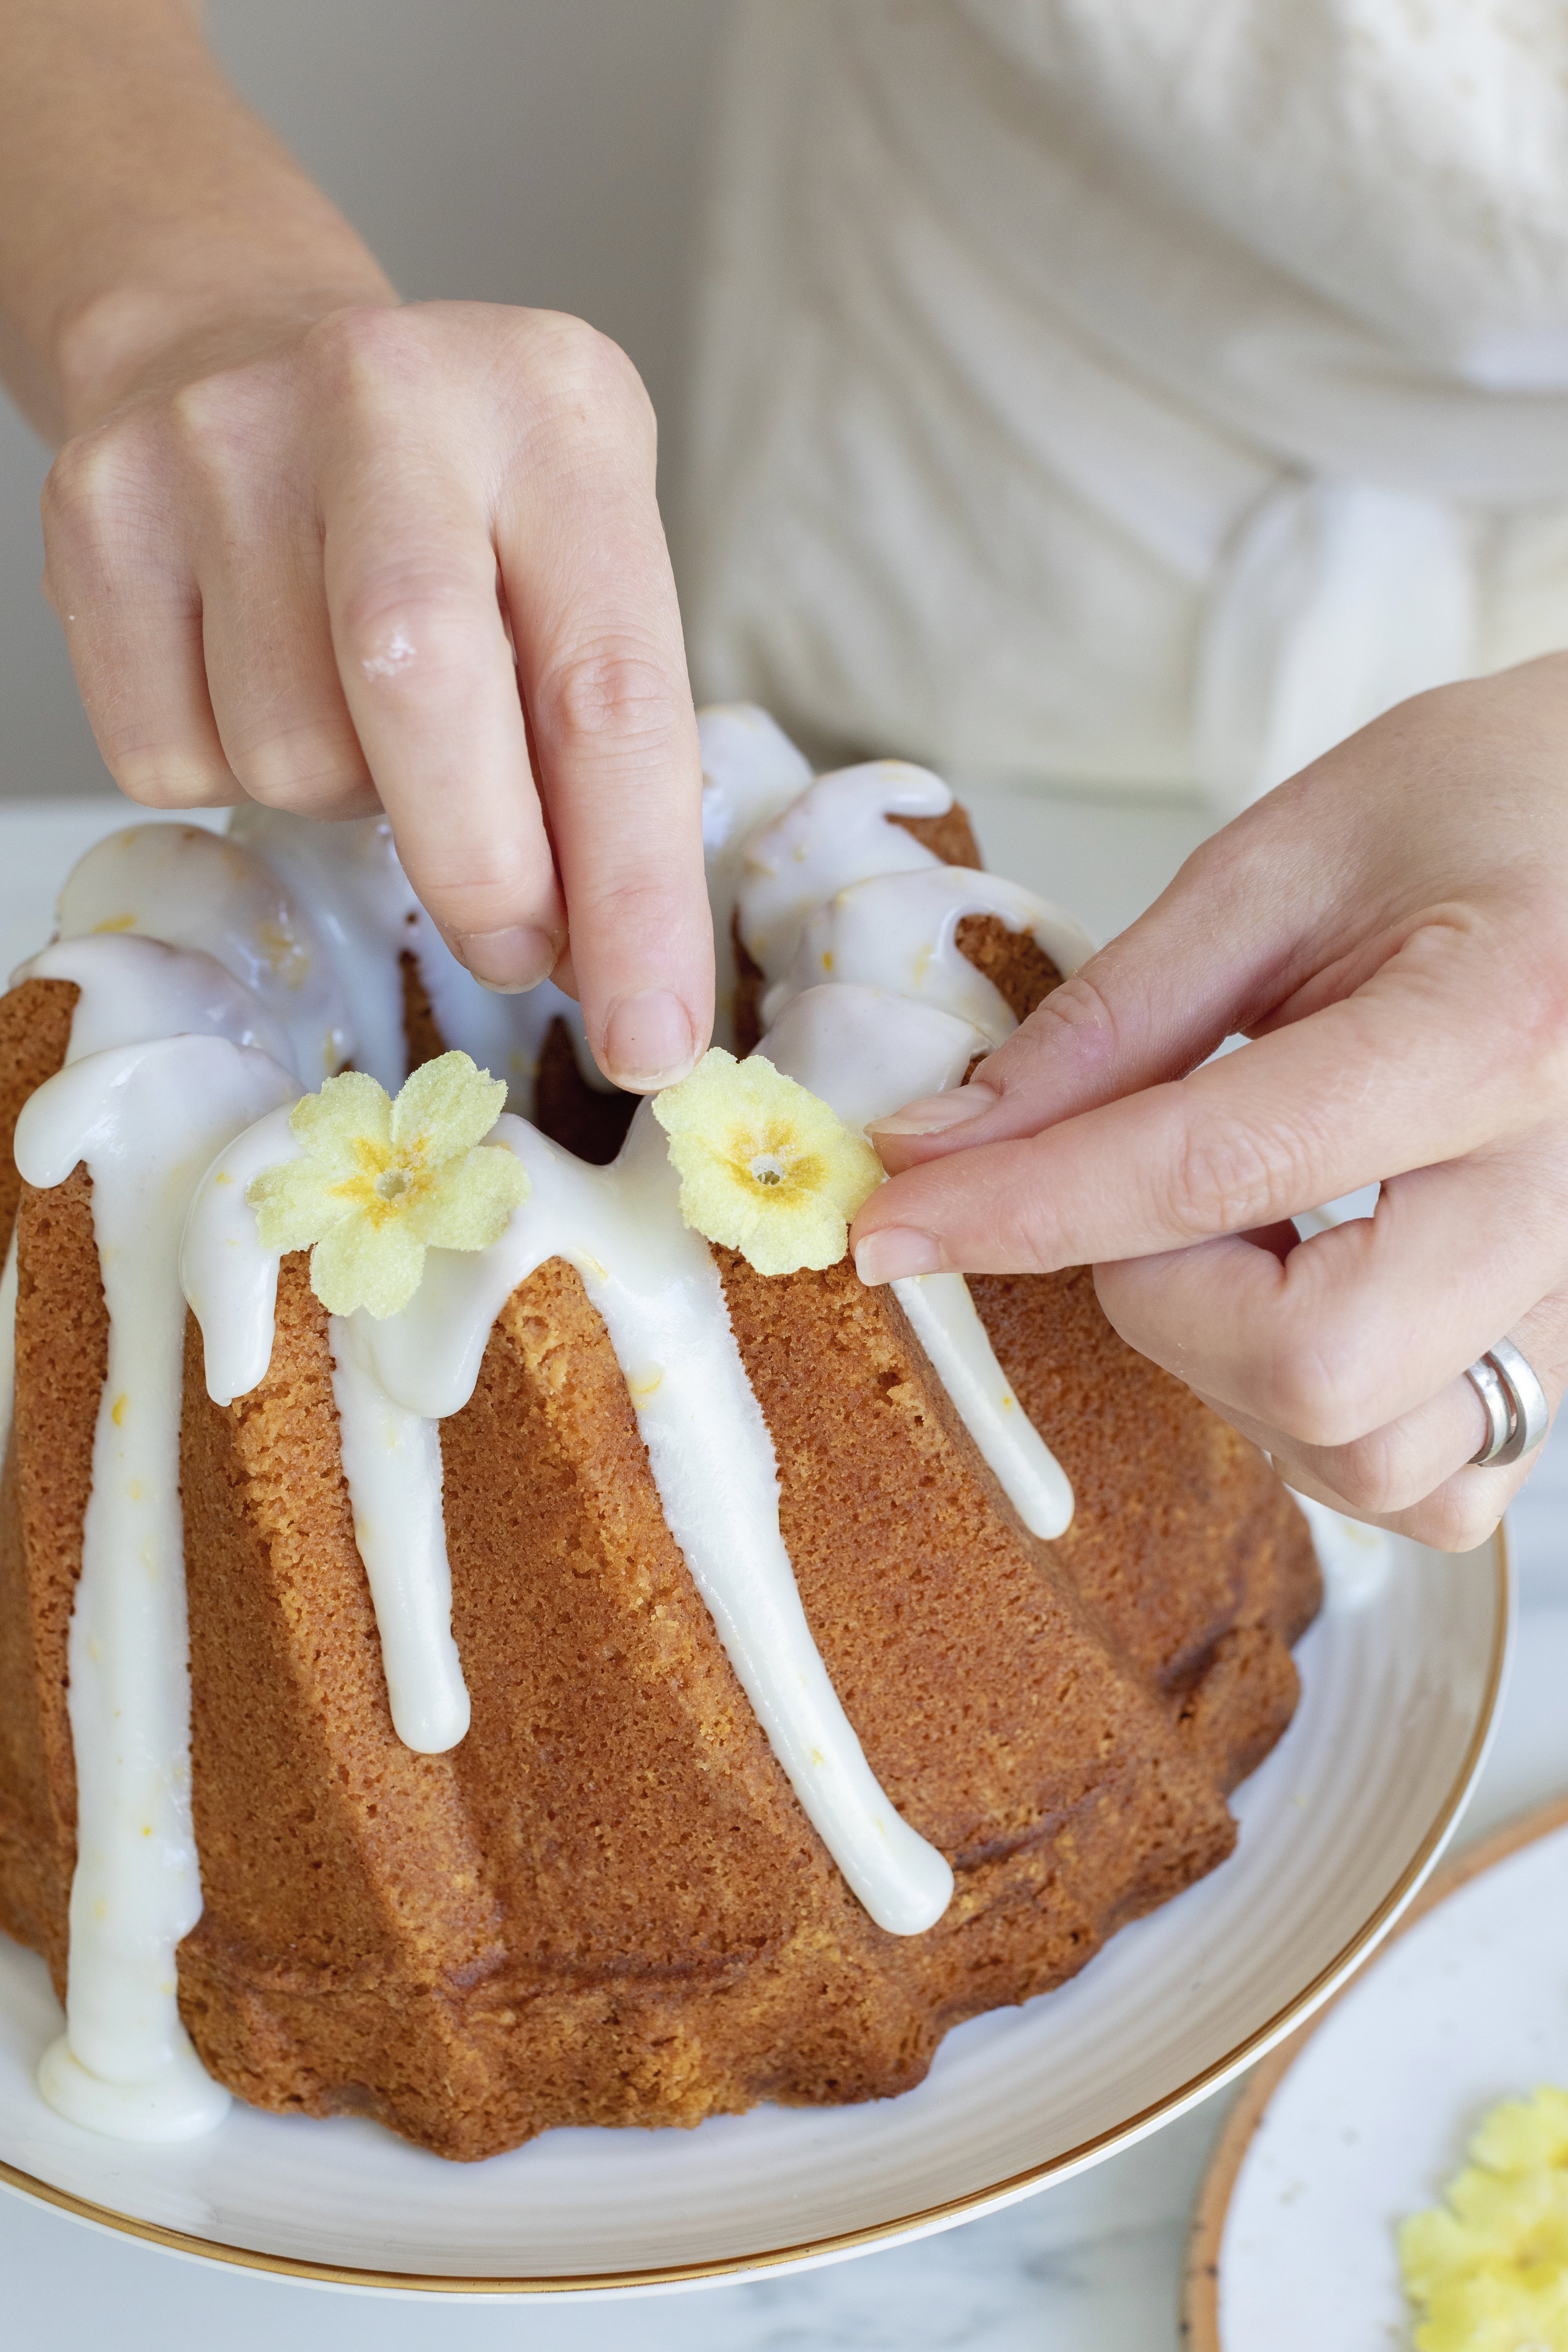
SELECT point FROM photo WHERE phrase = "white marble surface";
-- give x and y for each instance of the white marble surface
(1091, 2266)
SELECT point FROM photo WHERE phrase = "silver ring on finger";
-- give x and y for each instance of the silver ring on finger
(1515, 1403)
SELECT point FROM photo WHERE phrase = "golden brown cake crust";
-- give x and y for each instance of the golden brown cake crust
(62, 1356)
(420, 1027)
(1013, 962)
(651, 1931)
(342, 1888)
(949, 837)
(1182, 1537)
(570, 1111)
(35, 1031)
(997, 1712)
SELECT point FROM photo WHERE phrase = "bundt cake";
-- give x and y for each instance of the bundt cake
(533, 1641)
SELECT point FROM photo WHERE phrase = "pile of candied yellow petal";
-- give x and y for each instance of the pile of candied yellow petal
(1487, 2272)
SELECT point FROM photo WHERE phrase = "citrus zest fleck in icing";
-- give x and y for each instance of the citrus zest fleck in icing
(1487, 2271)
(382, 1182)
(765, 1167)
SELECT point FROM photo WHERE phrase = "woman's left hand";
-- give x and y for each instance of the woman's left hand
(1390, 929)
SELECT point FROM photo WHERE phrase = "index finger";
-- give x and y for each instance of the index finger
(603, 669)
(428, 554)
(1409, 1071)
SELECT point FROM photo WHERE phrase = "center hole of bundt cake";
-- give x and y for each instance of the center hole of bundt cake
(767, 1168)
(392, 1184)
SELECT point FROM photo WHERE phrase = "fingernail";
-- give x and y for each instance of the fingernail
(934, 1113)
(506, 961)
(895, 1252)
(649, 1041)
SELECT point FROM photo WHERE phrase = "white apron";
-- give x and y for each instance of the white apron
(1130, 391)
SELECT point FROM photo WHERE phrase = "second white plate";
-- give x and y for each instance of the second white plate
(1296, 2241)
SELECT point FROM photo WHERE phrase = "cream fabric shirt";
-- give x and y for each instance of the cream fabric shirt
(1142, 391)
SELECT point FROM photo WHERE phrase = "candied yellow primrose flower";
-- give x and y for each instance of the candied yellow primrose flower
(1487, 2271)
(765, 1166)
(382, 1182)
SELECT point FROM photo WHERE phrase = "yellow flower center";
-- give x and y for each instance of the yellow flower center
(388, 1182)
(775, 1160)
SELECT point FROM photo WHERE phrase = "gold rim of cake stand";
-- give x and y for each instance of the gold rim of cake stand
(954, 2208)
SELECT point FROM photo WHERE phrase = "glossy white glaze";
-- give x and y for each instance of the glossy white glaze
(655, 1285)
(751, 771)
(898, 931)
(229, 1281)
(865, 1052)
(837, 832)
(392, 1459)
(392, 1463)
(348, 880)
(147, 1119)
(351, 883)
(945, 1321)
(195, 889)
(133, 990)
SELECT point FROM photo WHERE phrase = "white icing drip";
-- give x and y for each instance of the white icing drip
(900, 932)
(836, 833)
(147, 1119)
(751, 771)
(390, 1457)
(658, 1290)
(945, 1321)
(133, 990)
(392, 1462)
(195, 889)
(865, 1052)
(349, 880)
(229, 1281)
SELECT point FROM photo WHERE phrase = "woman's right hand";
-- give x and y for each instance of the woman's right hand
(411, 558)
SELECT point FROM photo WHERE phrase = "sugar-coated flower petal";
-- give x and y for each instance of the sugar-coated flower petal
(766, 1167)
(1489, 2269)
(446, 1108)
(1523, 2133)
(468, 1208)
(295, 1203)
(356, 1266)
(335, 1124)
(379, 1183)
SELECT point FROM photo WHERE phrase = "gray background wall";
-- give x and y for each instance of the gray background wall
(510, 151)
